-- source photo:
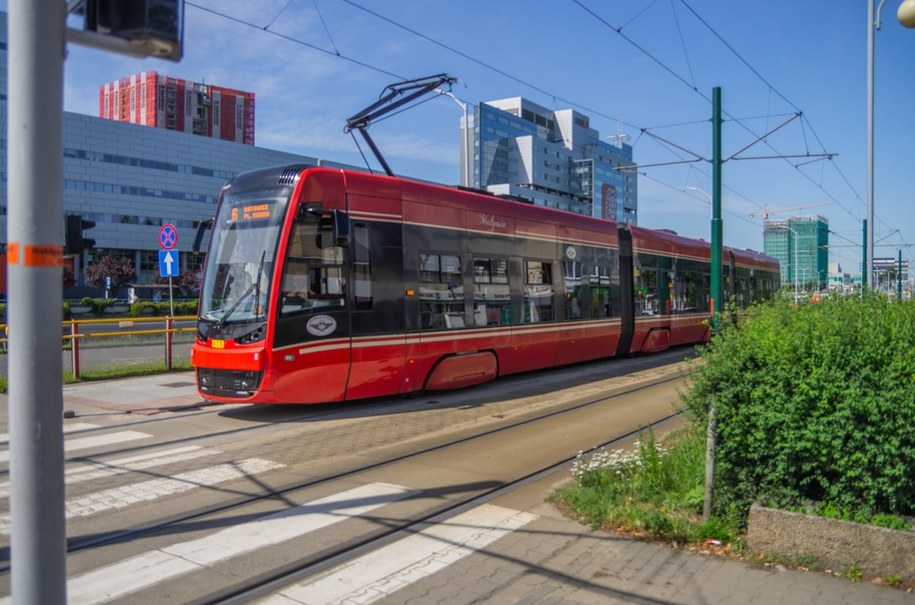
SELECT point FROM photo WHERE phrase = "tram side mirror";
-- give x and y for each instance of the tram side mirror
(341, 227)
(306, 210)
(202, 228)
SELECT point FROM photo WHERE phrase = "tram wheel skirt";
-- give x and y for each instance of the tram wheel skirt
(462, 370)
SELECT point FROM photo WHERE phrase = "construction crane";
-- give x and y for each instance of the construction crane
(766, 211)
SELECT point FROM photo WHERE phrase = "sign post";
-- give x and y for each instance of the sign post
(168, 259)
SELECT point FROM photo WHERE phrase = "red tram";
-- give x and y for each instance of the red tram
(326, 285)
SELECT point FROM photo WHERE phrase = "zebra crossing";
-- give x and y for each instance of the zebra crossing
(143, 491)
(366, 579)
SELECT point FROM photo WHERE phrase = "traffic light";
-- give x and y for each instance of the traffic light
(75, 242)
(154, 27)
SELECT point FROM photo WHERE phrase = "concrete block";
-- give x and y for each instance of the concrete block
(837, 545)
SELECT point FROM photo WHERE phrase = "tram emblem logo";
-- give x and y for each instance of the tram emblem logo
(321, 325)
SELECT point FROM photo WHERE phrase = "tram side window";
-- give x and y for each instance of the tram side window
(362, 268)
(571, 276)
(601, 302)
(491, 295)
(441, 292)
(313, 278)
(690, 288)
(538, 292)
(743, 287)
(646, 291)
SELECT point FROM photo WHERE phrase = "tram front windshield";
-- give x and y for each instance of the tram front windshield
(241, 257)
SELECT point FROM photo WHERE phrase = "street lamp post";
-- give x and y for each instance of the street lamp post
(906, 16)
(703, 192)
(795, 268)
(465, 142)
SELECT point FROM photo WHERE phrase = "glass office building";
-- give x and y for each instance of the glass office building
(801, 245)
(550, 158)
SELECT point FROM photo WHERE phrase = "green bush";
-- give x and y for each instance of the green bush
(814, 404)
(162, 308)
(157, 309)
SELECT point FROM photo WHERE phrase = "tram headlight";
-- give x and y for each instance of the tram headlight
(255, 335)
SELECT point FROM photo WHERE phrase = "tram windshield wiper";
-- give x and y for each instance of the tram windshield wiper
(256, 285)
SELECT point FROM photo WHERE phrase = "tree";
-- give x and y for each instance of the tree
(185, 282)
(69, 278)
(120, 269)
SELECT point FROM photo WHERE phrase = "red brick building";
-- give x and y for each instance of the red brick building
(157, 100)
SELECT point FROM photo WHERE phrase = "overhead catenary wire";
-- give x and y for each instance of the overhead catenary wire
(296, 41)
(756, 73)
(456, 51)
(551, 95)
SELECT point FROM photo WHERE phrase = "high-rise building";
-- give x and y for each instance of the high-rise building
(551, 158)
(801, 245)
(153, 99)
(131, 180)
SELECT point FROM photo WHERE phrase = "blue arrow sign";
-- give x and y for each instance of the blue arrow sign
(168, 263)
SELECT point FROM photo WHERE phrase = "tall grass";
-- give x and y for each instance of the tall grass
(651, 489)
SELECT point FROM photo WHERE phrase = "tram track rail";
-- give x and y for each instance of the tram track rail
(315, 565)
(321, 560)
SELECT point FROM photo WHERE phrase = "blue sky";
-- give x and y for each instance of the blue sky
(654, 77)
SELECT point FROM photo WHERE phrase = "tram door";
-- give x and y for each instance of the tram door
(627, 291)
(376, 291)
(312, 336)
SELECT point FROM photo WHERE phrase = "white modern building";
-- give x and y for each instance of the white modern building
(551, 158)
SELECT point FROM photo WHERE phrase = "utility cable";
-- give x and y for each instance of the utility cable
(296, 41)
(324, 23)
(536, 88)
(277, 16)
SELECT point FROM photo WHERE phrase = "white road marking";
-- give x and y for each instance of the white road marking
(75, 427)
(386, 570)
(119, 579)
(147, 491)
(73, 445)
(98, 470)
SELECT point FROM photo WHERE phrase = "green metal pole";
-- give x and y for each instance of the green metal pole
(865, 279)
(717, 293)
